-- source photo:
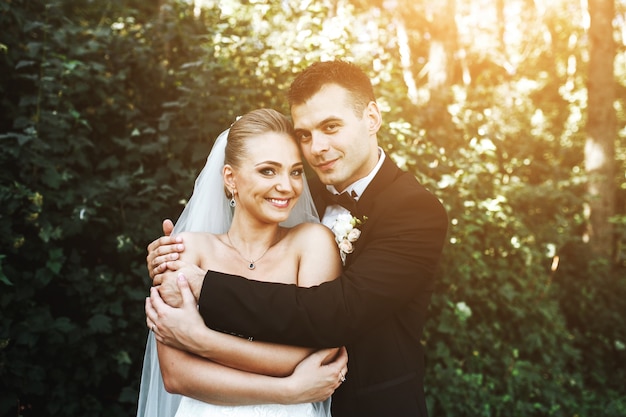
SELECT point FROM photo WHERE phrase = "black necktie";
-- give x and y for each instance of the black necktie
(344, 199)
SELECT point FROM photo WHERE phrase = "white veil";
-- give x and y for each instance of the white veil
(207, 211)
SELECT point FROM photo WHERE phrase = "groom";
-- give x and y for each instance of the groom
(379, 305)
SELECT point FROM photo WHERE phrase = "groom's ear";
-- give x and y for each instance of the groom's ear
(374, 117)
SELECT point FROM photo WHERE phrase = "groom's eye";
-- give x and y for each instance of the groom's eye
(331, 127)
(303, 136)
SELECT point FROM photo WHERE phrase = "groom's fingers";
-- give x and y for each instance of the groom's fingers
(163, 249)
(163, 246)
(158, 246)
(168, 227)
(160, 261)
(174, 265)
(157, 259)
(159, 272)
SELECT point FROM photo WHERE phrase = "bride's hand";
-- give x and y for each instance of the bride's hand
(315, 378)
(175, 326)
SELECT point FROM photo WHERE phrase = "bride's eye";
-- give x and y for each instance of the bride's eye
(297, 172)
(267, 171)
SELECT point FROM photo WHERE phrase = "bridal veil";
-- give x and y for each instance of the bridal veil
(207, 211)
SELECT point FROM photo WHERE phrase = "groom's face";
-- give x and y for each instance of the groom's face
(339, 145)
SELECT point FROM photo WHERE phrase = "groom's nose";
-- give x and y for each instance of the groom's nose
(319, 143)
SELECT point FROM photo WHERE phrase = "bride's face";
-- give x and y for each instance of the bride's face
(270, 177)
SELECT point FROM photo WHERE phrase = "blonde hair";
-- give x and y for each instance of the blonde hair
(255, 123)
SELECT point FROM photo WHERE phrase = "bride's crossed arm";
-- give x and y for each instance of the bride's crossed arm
(193, 376)
(223, 369)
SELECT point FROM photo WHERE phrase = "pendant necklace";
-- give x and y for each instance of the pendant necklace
(251, 263)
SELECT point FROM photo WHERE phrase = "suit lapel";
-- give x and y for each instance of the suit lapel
(387, 174)
(367, 203)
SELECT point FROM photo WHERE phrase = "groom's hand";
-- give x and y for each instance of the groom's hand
(164, 249)
(168, 283)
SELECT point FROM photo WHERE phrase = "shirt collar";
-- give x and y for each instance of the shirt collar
(357, 188)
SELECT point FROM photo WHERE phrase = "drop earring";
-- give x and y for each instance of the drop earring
(232, 201)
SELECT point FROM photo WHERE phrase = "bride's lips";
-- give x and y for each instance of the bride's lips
(279, 202)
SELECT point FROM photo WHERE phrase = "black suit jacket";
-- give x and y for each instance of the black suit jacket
(377, 307)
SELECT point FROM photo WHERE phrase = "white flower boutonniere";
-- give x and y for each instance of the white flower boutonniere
(346, 233)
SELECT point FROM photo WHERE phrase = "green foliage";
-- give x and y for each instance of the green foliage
(591, 296)
(82, 161)
(108, 116)
(109, 112)
(498, 341)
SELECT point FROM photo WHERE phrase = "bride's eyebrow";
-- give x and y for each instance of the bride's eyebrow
(273, 163)
(278, 164)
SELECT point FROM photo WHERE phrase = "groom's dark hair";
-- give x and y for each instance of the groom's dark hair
(342, 73)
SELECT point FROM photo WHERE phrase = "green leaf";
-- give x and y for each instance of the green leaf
(64, 324)
(3, 278)
(56, 260)
(22, 64)
(99, 323)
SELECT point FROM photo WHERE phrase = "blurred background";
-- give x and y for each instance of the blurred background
(511, 112)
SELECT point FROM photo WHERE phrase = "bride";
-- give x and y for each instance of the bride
(251, 214)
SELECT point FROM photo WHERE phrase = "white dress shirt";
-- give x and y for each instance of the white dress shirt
(356, 189)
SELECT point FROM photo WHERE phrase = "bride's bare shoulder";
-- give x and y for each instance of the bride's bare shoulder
(197, 243)
(311, 234)
(198, 237)
(319, 259)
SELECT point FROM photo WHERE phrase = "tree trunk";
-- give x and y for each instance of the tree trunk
(442, 48)
(405, 59)
(601, 128)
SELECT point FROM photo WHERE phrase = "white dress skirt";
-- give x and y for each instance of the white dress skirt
(194, 408)
(154, 401)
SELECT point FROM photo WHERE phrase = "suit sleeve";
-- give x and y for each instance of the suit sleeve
(397, 264)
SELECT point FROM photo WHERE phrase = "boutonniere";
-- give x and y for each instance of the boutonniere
(347, 233)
